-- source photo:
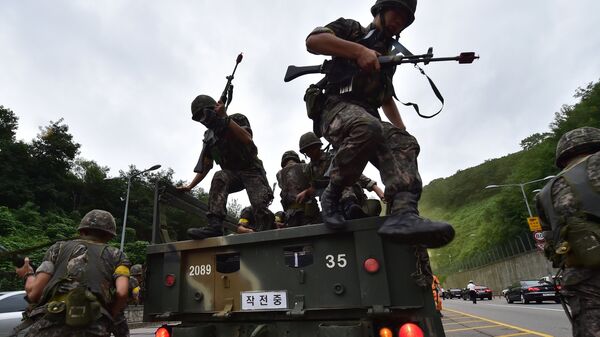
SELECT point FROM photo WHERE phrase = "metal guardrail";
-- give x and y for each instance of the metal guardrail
(523, 243)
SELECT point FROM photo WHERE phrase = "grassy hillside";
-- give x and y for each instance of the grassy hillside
(484, 218)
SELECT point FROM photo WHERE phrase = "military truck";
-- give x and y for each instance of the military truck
(293, 282)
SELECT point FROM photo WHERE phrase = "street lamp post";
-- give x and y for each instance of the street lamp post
(522, 190)
(155, 167)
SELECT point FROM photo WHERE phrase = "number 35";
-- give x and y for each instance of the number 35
(332, 261)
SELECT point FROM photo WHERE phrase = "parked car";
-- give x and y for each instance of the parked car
(453, 293)
(483, 292)
(12, 305)
(532, 290)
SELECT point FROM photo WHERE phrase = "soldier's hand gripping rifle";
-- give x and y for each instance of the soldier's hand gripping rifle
(227, 94)
(341, 71)
(334, 68)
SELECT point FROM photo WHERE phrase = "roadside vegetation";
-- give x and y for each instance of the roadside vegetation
(484, 218)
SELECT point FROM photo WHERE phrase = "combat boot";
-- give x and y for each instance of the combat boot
(352, 210)
(330, 205)
(214, 228)
(405, 225)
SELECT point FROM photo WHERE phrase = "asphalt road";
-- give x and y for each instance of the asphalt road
(498, 318)
(487, 318)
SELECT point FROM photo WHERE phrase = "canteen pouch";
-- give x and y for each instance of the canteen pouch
(81, 308)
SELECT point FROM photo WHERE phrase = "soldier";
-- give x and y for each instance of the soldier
(136, 284)
(350, 120)
(353, 197)
(246, 221)
(293, 180)
(74, 285)
(228, 142)
(569, 209)
(280, 219)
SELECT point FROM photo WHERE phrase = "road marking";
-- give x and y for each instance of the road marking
(462, 322)
(474, 328)
(541, 334)
(532, 308)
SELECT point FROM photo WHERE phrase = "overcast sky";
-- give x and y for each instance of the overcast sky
(123, 73)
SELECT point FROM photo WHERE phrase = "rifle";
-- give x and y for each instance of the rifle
(227, 95)
(348, 69)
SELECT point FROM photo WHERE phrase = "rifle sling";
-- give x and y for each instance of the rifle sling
(400, 48)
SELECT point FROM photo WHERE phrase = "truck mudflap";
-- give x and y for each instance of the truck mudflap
(333, 283)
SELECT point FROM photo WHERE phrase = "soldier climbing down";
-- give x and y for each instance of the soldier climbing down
(350, 121)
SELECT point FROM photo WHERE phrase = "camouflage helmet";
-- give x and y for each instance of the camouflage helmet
(135, 270)
(287, 155)
(200, 103)
(307, 140)
(576, 142)
(409, 5)
(99, 220)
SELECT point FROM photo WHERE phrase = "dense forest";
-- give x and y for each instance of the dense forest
(484, 218)
(45, 189)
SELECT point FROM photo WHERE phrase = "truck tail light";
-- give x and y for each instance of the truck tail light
(533, 289)
(371, 265)
(386, 332)
(162, 332)
(169, 280)
(410, 330)
(558, 287)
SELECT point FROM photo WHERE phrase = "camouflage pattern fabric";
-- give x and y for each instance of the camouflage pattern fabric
(405, 149)
(112, 259)
(584, 300)
(358, 139)
(231, 154)
(317, 171)
(257, 187)
(293, 179)
(581, 286)
(120, 328)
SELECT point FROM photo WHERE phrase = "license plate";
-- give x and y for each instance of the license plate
(264, 300)
(547, 294)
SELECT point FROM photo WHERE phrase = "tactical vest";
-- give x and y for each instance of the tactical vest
(367, 89)
(94, 274)
(576, 244)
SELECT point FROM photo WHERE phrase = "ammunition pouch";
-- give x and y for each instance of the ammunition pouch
(583, 248)
(315, 101)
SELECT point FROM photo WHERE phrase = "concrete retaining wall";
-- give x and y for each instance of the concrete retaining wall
(528, 266)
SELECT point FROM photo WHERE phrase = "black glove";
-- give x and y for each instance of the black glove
(211, 120)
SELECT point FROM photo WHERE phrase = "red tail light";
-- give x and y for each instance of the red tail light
(169, 280)
(488, 290)
(533, 289)
(558, 287)
(371, 265)
(162, 332)
(410, 330)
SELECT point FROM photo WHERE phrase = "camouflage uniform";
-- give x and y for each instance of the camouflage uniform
(318, 173)
(111, 259)
(559, 200)
(292, 179)
(240, 169)
(350, 121)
